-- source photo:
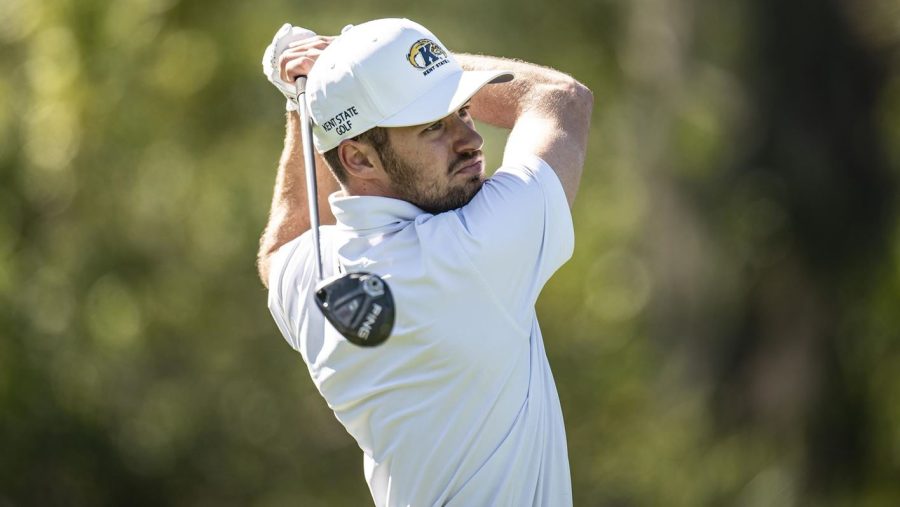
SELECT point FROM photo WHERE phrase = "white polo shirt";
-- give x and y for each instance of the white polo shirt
(458, 407)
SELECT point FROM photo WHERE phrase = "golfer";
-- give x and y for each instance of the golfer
(458, 406)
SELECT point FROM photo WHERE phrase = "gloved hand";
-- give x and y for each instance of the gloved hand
(283, 38)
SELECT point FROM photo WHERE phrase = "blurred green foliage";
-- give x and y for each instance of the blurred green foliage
(726, 333)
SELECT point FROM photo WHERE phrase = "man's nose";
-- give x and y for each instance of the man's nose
(467, 138)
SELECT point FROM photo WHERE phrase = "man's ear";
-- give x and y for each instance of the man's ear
(360, 160)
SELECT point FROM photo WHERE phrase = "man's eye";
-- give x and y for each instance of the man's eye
(464, 112)
(434, 126)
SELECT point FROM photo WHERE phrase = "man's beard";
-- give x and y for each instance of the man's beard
(409, 185)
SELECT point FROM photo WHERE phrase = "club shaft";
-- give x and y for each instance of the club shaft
(309, 163)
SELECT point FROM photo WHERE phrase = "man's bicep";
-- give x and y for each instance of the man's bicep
(560, 143)
(518, 229)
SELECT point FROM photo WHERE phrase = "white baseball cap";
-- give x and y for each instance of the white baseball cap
(386, 73)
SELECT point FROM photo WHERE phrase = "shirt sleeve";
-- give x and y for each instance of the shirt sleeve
(284, 268)
(518, 230)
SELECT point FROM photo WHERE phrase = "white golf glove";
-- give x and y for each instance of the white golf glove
(283, 37)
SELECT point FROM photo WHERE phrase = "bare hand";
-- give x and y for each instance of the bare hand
(298, 59)
(291, 54)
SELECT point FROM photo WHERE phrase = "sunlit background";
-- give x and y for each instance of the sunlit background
(726, 333)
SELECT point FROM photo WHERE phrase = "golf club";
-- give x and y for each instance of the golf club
(359, 305)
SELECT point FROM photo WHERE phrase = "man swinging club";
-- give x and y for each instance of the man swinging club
(457, 404)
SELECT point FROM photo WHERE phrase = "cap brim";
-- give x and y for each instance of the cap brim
(448, 96)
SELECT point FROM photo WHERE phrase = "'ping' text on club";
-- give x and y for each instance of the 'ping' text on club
(367, 324)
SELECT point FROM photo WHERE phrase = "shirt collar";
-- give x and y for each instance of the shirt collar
(361, 212)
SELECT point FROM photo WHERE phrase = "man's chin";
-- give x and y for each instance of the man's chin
(472, 187)
(456, 198)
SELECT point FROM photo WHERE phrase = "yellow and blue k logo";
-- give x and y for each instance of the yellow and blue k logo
(425, 53)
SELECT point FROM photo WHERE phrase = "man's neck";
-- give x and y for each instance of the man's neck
(367, 187)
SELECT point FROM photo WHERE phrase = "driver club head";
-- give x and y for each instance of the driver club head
(359, 305)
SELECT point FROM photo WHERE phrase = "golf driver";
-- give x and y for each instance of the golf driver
(359, 305)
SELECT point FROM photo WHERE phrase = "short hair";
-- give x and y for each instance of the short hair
(376, 137)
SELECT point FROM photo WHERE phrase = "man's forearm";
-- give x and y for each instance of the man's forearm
(535, 88)
(548, 111)
(289, 214)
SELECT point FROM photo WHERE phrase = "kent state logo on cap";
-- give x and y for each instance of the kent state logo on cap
(425, 53)
(386, 73)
